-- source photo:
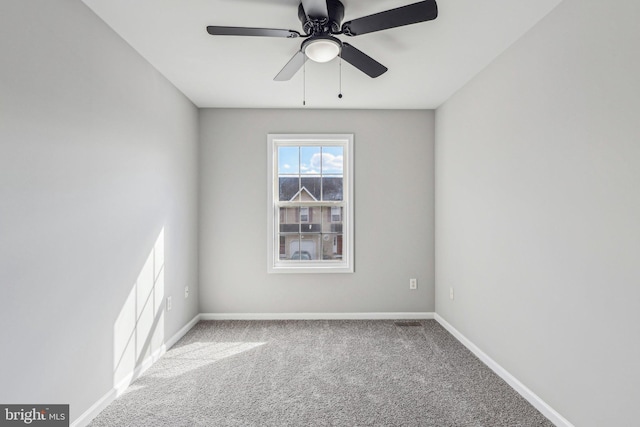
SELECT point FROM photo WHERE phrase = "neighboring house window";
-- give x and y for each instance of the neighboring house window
(304, 214)
(310, 197)
(336, 215)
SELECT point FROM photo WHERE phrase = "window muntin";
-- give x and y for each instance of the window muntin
(310, 211)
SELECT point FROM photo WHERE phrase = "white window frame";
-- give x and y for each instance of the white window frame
(274, 264)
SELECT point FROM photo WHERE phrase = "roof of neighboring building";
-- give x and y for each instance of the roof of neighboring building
(301, 193)
(327, 188)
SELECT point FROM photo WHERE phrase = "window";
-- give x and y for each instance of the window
(310, 209)
(304, 214)
(336, 215)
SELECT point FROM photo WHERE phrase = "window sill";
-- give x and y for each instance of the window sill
(309, 269)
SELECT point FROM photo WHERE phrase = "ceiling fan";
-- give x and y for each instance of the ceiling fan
(321, 21)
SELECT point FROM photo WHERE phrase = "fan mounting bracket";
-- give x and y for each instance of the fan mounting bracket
(323, 25)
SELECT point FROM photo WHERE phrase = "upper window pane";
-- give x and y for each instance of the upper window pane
(288, 160)
(332, 188)
(288, 188)
(310, 160)
(332, 160)
(312, 187)
(310, 173)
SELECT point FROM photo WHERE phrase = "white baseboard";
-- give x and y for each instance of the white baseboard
(546, 410)
(153, 357)
(315, 316)
(139, 370)
(119, 388)
(182, 332)
(95, 409)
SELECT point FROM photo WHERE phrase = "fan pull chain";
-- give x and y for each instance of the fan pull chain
(340, 72)
(304, 82)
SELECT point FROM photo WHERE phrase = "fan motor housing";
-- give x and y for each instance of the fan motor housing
(320, 25)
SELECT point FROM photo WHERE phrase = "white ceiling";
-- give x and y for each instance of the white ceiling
(428, 62)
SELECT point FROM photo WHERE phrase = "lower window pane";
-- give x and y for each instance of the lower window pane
(332, 246)
(310, 248)
(310, 233)
(300, 247)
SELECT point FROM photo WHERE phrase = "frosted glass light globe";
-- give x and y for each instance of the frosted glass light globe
(322, 50)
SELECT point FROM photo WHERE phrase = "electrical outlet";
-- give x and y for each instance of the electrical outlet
(450, 293)
(413, 283)
(186, 292)
(168, 303)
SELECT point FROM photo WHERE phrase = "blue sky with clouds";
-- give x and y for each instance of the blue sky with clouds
(310, 160)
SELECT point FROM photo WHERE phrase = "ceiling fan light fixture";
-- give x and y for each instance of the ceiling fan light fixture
(322, 49)
(321, 20)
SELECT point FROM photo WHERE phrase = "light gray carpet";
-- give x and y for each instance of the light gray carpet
(319, 373)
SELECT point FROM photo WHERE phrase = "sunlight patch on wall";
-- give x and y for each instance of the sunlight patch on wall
(139, 329)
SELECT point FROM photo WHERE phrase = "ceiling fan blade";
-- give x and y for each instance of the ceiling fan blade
(405, 15)
(292, 67)
(362, 61)
(245, 31)
(315, 8)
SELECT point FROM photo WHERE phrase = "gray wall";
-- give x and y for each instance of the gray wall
(98, 153)
(393, 213)
(538, 211)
